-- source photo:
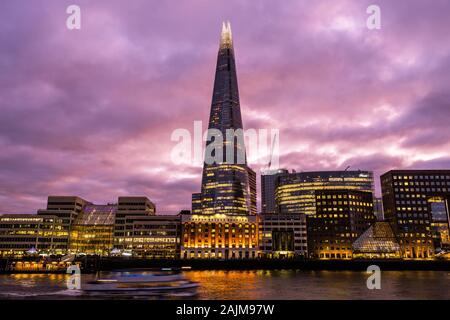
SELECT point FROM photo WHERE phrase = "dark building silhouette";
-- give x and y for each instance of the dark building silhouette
(269, 180)
(228, 184)
(378, 208)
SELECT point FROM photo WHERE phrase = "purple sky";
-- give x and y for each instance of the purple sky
(90, 112)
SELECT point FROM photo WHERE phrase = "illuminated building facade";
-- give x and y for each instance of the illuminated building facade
(67, 208)
(128, 210)
(341, 217)
(129, 227)
(155, 237)
(377, 242)
(269, 180)
(22, 234)
(219, 236)
(92, 231)
(228, 184)
(439, 207)
(196, 203)
(416, 202)
(283, 236)
(295, 192)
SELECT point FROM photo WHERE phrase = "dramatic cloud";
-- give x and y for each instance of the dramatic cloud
(91, 112)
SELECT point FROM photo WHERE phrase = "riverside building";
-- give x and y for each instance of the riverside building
(92, 231)
(228, 186)
(295, 192)
(66, 208)
(129, 209)
(223, 223)
(154, 236)
(219, 236)
(30, 234)
(416, 203)
(128, 227)
(341, 216)
(283, 236)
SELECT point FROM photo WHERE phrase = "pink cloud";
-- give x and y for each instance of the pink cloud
(91, 112)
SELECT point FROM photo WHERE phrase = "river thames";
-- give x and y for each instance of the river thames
(258, 284)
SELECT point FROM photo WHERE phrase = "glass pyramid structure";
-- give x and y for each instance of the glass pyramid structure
(378, 241)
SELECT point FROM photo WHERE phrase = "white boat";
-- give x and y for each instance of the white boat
(143, 285)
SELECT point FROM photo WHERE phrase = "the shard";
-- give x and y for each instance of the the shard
(228, 184)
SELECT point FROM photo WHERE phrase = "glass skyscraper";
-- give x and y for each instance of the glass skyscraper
(228, 184)
(295, 192)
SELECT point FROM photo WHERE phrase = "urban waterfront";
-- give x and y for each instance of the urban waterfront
(331, 181)
(257, 284)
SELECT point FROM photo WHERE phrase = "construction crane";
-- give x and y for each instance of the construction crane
(271, 153)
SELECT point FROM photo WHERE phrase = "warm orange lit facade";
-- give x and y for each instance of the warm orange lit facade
(219, 236)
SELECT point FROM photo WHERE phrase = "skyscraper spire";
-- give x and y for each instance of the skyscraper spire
(226, 39)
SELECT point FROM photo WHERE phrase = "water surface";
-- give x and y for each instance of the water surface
(259, 284)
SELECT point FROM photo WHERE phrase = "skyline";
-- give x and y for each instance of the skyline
(84, 112)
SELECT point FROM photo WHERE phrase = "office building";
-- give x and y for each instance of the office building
(128, 210)
(154, 237)
(440, 223)
(269, 180)
(228, 184)
(219, 236)
(295, 192)
(341, 216)
(415, 202)
(93, 229)
(30, 234)
(283, 236)
(67, 208)
(378, 208)
(196, 203)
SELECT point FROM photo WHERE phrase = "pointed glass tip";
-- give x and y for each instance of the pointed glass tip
(226, 40)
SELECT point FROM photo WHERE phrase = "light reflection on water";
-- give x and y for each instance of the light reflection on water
(296, 284)
(263, 284)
